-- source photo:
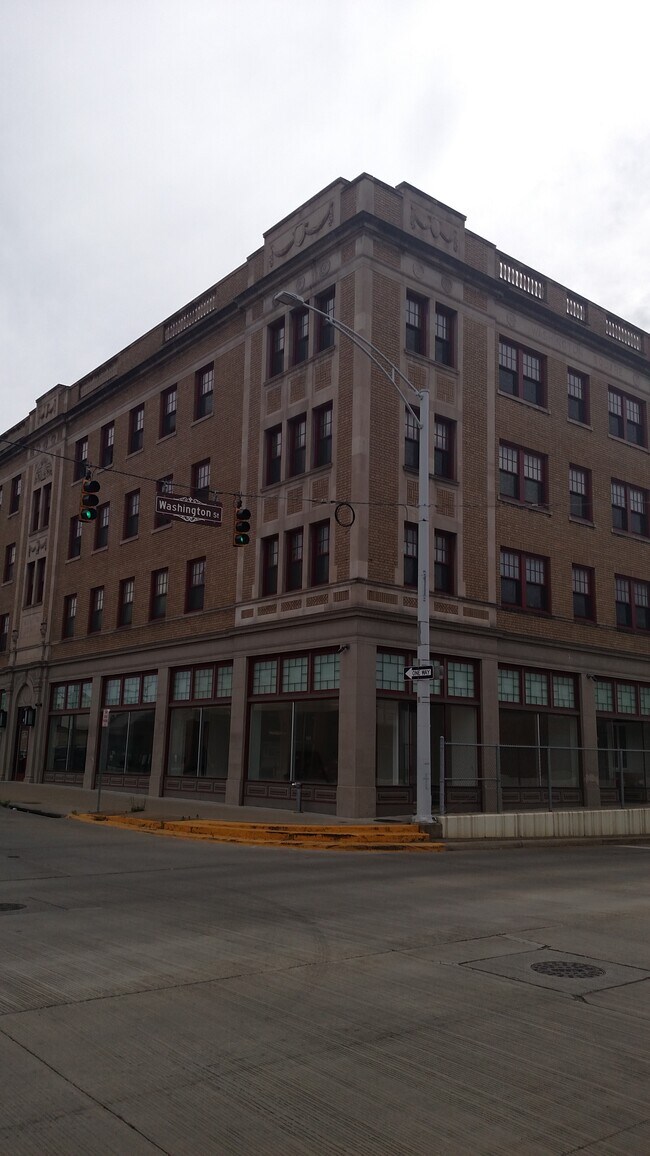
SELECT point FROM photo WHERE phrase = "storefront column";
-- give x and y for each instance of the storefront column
(589, 742)
(94, 749)
(356, 796)
(238, 715)
(159, 734)
(490, 734)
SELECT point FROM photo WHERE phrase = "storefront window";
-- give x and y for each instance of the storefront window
(67, 736)
(532, 741)
(199, 734)
(296, 737)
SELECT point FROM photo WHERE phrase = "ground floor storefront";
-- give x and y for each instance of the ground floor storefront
(512, 727)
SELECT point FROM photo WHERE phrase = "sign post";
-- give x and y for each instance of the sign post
(103, 749)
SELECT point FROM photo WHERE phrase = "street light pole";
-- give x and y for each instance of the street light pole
(393, 373)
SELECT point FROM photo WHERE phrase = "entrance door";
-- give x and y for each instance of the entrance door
(20, 758)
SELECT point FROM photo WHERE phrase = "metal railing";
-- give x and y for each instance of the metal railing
(622, 778)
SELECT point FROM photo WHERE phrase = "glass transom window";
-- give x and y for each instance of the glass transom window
(224, 682)
(536, 688)
(131, 691)
(460, 679)
(203, 682)
(182, 683)
(112, 695)
(509, 686)
(265, 677)
(390, 671)
(625, 698)
(604, 696)
(326, 671)
(563, 692)
(294, 674)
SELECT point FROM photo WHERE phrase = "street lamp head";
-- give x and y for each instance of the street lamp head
(287, 298)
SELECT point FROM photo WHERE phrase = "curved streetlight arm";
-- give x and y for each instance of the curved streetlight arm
(371, 351)
(423, 685)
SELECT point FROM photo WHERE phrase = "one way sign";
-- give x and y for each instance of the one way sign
(415, 672)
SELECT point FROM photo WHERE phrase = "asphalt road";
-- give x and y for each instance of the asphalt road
(158, 995)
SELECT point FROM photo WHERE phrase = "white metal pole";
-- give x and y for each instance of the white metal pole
(423, 773)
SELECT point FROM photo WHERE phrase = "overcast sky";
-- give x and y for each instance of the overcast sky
(146, 145)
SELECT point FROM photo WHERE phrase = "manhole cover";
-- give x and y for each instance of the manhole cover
(567, 970)
(11, 906)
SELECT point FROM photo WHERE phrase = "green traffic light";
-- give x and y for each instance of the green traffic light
(87, 515)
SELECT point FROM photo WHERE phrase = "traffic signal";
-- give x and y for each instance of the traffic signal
(88, 499)
(241, 533)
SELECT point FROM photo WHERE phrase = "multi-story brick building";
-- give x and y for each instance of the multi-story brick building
(228, 671)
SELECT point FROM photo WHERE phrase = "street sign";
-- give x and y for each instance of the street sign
(189, 509)
(416, 672)
(106, 714)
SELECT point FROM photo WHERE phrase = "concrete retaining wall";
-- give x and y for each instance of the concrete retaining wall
(549, 824)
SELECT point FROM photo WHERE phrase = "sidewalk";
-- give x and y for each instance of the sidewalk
(48, 798)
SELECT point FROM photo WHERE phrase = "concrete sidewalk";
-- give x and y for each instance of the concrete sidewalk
(46, 797)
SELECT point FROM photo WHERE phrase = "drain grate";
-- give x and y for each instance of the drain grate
(12, 906)
(566, 970)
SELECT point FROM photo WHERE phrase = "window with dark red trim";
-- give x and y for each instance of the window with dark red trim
(125, 602)
(627, 417)
(444, 447)
(444, 551)
(101, 525)
(524, 580)
(80, 459)
(445, 324)
(69, 615)
(293, 560)
(195, 585)
(107, 444)
(416, 324)
(584, 603)
(136, 429)
(159, 589)
(322, 450)
(324, 328)
(521, 373)
(131, 514)
(578, 396)
(523, 475)
(580, 493)
(96, 609)
(632, 603)
(629, 508)
(201, 480)
(74, 537)
(320, 553)
(204, 392)
(168, 404)
(410, 554)
(299, 336)
(297, 430)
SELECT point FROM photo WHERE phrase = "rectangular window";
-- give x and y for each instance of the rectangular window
(107, 442)
(323, 435)
(36, 511)
(325, 329)
(444, 335)
(164, 486)
(297, 445)
(125, 604)
(578, 396)
(627, 418)
(46, 506)
(132, 514)
(580, 493)
(521, 373)
(101, 525)
(276, 347)
(629, 508)
(74, 537)
(411, 439)
(201, 480)
(270, 558)
(35, 582)
(524, 580)
(96, 609)
(168, 404)
(443, 567)
(80, 459)
(4, 632)
(410, 554)
(273, 455)
(300, 336)
(582, 578)
(444, 432)
(416, 324)
(136, 429)
(632, 603)
(320, 553)
(159, 587)
(293, 565)
(522, 475)
(69, 615)
(10, 562)
(204, 392)
(195, 585)
(14, 496)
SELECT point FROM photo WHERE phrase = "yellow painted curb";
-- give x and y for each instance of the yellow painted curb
(376, 837)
